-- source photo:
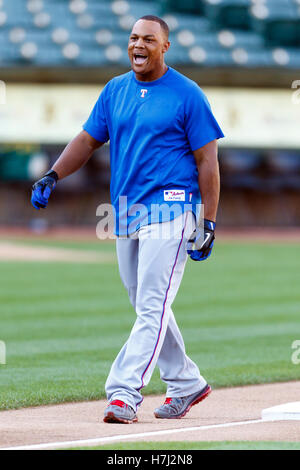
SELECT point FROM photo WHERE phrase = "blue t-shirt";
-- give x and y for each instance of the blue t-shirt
(153, 128)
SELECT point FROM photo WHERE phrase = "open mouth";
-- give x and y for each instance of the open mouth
(139, 59)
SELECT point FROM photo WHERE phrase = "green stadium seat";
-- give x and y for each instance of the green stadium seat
(235, 33)
(44, 56)
(18, 17)
(142, 8)
(289, 58)
(8, 54)
(209, 56)
(279, 25)
(294, 58)
(186, 6)
(99, 8)
(251, 58)
(92, 56)
(282, 32)
(239, 38)
(41, 38)
(227, 39)
(14, 165)
(194, 23)
(177, 56)
(228, 13)
(188, 38)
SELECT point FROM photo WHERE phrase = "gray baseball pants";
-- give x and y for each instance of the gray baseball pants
(151, 265)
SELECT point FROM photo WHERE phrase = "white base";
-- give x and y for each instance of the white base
(283, 412)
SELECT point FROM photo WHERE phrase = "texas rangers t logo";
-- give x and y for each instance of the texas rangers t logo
(143, 92)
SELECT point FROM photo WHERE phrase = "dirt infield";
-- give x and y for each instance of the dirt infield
(12, 251)
(65, 423)
(17, 252)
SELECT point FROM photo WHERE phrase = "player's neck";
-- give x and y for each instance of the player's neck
(152, 75)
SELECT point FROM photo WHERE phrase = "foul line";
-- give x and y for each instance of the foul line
(123, 437)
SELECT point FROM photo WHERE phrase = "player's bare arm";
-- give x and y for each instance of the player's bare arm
(76, 154)
(209, 178)
(201, 241)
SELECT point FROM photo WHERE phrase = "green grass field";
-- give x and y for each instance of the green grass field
(63, 323)
(226, 445)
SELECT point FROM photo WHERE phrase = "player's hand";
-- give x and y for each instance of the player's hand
(42, 189)
(201, 242)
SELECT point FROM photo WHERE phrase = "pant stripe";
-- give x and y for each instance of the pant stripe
(164, 306)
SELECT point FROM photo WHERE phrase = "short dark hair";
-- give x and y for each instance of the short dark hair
(162, 23)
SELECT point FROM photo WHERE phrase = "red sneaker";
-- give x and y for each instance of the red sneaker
(119, 412)
(174, 408)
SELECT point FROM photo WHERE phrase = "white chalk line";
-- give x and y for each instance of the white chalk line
(123, 437)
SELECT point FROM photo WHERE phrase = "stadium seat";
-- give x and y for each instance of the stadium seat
(19, 17)
(136, 8)
(177, 55)
(237, 33)
(251, 58)
(238, 38)
(186, 6)
(14, 165)
(31, 53)
(228, 13)
(279, 24)
(293, 57)
(210, 57)
(194, 23)
(280, 161)
(283, 169)
(105, 37)
(241, 169)
(92, 56)
(235, 161)
(42, 38)
(187, 38)
(98, 8)
(8, 54)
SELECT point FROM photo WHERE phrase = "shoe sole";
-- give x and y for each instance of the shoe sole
(112, 418)
(203, 395)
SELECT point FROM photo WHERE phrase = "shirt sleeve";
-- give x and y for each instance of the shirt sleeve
(200, 124)
(96, 125)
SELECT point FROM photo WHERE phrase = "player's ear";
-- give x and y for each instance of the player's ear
(166, 46)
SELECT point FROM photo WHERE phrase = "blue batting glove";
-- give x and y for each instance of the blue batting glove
(42, 189)
(201, 242)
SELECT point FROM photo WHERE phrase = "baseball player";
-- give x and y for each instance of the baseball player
(163, 153)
